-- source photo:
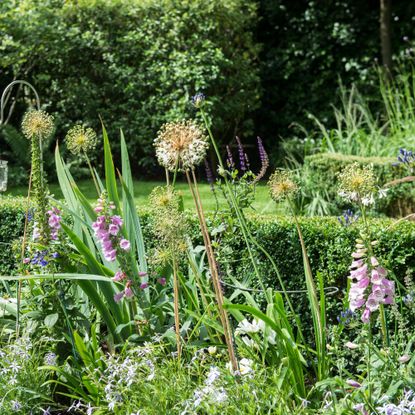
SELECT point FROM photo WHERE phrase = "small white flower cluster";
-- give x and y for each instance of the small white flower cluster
(257, 326)
(210, 393)
(16, 361)
(78, 406)
(404, 407)
(12, 359)
(121, 372)
(366, 200)
(245, 366)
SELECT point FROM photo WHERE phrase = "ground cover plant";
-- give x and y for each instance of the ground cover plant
(113, 309)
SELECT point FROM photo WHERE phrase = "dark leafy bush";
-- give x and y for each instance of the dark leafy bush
(309, 45)
(321, 172)
(134, 63)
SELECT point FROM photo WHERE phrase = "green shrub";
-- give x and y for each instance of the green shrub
(134, 63)
(320, 174)
(11, 228)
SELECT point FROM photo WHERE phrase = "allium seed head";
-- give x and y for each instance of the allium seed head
(356, 182)
(80, 139)
(180, 144)
(37, 123)
(282, 185)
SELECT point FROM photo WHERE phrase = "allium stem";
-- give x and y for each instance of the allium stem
(176, 169)
(39, 190)
(92, 173)
(213, 269)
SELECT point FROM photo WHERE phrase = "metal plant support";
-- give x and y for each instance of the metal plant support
(6, 96)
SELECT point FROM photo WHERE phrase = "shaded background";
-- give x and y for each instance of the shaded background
(262, 64)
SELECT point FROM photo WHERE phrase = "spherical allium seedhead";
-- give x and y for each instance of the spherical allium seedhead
(180, 144)
(37, 123)
(356, 182)
(80, 139)
(282, 185)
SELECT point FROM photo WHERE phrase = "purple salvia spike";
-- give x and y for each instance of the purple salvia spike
(264, 160)
(246, 161)
(242, 155)
(229, 160)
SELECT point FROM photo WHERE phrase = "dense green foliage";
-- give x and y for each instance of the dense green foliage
(321, 174)
(136, 64)
(11, 228)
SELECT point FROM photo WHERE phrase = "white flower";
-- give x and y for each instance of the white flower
(351, 345)
(252, 344)
(368, 200)
(405, 358)
(212, 350)
(219, 396)
(245, 326)
(271, 337)
(245, 366)
(180, 145)
(213, 375)
(382, 193)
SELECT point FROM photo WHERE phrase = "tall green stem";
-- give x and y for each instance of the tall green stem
(92, 173)
(39, 190)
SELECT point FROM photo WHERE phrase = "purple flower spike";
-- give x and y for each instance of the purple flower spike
(242, 156)
(263, 156)
(229, 161)
(353, 383)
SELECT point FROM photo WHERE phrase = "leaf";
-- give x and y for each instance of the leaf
(110, 177)
(65, 276)
(51, 320)
(137, 231)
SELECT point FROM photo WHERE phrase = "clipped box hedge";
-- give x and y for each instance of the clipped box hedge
(322, 171)
(329, 245)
